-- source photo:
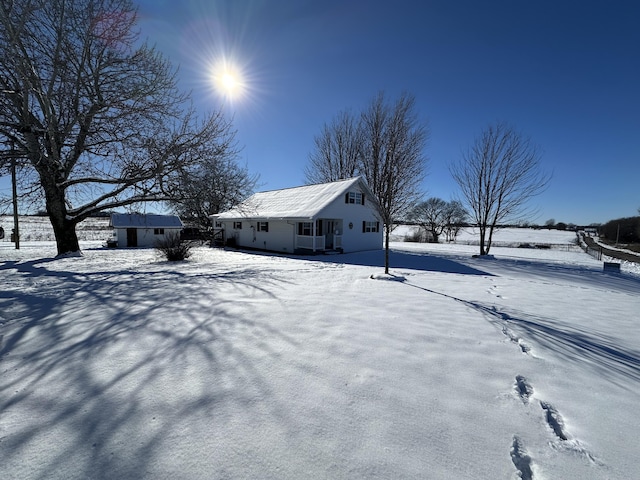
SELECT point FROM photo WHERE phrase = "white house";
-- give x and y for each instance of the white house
(337, 216)
(138, 230)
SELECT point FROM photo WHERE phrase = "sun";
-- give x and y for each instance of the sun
(228, 81)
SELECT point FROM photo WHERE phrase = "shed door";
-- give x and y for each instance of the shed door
(132, 237)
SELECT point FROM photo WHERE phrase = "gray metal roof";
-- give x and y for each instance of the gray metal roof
(138, 220)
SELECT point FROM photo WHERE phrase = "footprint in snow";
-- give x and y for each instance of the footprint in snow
(524, 388)
(521, 460)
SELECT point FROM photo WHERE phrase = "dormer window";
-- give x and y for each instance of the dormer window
(355, 198)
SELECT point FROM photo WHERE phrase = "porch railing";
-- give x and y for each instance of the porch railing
(310, 242)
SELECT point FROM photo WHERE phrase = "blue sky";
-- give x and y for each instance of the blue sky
(566, 73)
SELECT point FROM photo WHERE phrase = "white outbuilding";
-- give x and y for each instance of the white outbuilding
(142, 230)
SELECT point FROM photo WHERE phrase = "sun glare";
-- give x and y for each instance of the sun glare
(228, 82)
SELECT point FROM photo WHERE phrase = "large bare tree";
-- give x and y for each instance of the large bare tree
(94, 112)
(387, 141)
(498, 175)
(337, 150)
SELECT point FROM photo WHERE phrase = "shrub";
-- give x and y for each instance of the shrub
(173, 248)
(415, 236)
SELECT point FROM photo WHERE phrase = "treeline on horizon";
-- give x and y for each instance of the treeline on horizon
(622, 230)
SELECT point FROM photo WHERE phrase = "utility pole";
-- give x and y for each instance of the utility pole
(16, 227)
(12, 154)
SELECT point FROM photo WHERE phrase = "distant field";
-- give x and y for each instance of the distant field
(38, 229)
(502, 237)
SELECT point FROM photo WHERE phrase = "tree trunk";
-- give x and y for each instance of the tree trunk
(64, 229)
(482, 240)
(65, 233)
(490, 240)
(387, 232)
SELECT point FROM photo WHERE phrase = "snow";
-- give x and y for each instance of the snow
(232, 365)
(296, 202)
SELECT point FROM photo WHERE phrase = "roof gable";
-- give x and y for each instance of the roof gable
(138, 220)
(298, 202)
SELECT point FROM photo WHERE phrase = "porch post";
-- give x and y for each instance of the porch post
(313, 234)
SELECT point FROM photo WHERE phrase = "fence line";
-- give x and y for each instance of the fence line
(594, 252)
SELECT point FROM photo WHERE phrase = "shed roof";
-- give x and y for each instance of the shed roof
(138, 220)
(296, 202)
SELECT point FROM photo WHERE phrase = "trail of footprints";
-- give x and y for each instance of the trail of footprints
(517, 340)
(521, 460)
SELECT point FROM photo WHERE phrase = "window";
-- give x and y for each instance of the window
(263, 226)
(237, 225)
(354, 197)
(305, 228)
(370, 227)
(158, 231)
(218, 224)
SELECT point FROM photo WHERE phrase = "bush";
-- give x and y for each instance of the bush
(415, 236)
(173, 248)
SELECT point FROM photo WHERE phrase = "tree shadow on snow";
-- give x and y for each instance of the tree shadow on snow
(602, 352)
(578, 345)
(403, 260)
(103, 367)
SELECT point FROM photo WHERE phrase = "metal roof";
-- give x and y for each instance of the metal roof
(139, 220)
(297, 202)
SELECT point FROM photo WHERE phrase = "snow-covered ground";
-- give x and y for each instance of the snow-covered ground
(233, 365)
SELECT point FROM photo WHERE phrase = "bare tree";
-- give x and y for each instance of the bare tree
(455, 217)
(385, 145)
(437, 216)
(392, 158)
(497, 176)
(95, 114)
(337, 150)
(431, 216)
(217, 185)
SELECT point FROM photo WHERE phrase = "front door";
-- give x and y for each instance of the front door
(132, 237)
(328, 234)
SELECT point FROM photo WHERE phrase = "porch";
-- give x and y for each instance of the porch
(323, 235)
(318, 243)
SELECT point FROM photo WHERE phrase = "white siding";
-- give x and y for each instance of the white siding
(353, 240)
(279, 238)
(146, 237)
